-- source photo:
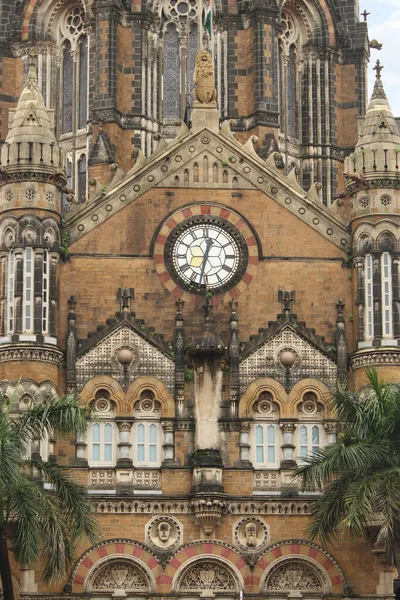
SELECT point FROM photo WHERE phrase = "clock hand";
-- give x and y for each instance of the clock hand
(209, 243)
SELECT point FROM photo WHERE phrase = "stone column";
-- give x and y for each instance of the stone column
(169, 444)
(124, 444)
(331, 432)
(244, 446)
(288, 447)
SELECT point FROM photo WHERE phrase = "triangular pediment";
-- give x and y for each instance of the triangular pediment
(148, 354)
(218, 156)
(261, 356)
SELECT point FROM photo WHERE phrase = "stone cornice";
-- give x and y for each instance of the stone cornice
(30, 353)
(243, 161)
(379, 357)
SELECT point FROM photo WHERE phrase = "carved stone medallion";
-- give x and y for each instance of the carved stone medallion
(296, 575)
(163, 533)
(251, 534)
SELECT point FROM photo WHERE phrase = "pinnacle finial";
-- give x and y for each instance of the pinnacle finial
(378, 91)
(32, 71)
(378, 68)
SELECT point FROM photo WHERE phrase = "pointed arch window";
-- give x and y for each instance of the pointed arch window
(67, 88)
(82, 179)
(369, 304)
(180, 24)
(386, 270)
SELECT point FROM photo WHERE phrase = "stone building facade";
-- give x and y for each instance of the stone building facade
(201, 268)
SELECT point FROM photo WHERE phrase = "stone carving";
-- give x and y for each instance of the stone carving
(264, 361)
(296, 575)
(251, 534)
(163, 533)
(203, 78)
(207, 575)
(149, 360)
(119, 575)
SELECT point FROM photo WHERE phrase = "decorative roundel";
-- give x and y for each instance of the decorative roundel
(205, 252)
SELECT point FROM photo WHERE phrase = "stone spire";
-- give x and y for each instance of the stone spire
(31, 120)
(376, 156)
(378, 125)
(31, 154)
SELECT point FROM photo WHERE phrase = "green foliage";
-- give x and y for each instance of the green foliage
(64, 247)
(42, 523)
(351, 318)
(331, 348)
(359, 475)
(189, 375)
(224, 163)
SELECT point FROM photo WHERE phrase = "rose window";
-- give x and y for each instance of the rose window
(74, 21)
(182, 9)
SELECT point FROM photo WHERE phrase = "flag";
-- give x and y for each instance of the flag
(209, 19)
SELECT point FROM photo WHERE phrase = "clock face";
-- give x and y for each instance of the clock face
(206, 255)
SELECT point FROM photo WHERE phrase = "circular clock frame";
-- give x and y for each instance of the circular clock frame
(206, 253)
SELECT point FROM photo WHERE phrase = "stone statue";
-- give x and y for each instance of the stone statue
(250, 532)
(164, 531)
(203, 78)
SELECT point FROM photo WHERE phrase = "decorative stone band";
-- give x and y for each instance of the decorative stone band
(195, 211)
(30, 353)
(182, 506)
(375, 357)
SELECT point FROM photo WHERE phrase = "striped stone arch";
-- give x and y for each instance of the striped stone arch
(203, 550)
(38, 10)
(113, 549)
(303, 551)
(195, 210)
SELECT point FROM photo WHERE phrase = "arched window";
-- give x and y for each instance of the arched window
(310, 433)
(73, 105)
(147, 431)
(82, 179)
(265, 432)
(378, 293)
(180, 46)
(28, 269)
(67, 88)
(102, 434)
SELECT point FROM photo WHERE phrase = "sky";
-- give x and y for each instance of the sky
(384, 26)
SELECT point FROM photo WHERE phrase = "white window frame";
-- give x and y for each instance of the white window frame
(386, 285)
(10, 292)
(265, 445)
(309, 445)
(102, 442)
(45, 292)
(29, 280)
(369, 298)
(147, 443)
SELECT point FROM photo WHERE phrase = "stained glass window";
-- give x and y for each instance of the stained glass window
(171, 73)
(83, 73)
(67, 91)
(292, 93)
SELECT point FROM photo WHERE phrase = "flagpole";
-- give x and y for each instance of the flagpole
(200, 24)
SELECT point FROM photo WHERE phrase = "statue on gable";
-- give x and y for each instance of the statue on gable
(204, 92)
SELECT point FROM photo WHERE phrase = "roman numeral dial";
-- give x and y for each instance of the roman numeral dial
(205, 256)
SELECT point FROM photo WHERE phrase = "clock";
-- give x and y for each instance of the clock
(206, 253)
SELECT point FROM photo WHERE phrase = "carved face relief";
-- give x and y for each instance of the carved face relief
(250, 531)
(163, 533)
(251, 534)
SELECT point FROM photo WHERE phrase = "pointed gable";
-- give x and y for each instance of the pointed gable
(150, 355)
(262, 356)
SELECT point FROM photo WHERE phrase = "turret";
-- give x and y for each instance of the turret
(373, 185)
(32, 181)
(372, 172)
